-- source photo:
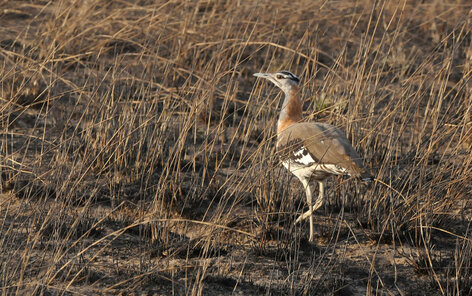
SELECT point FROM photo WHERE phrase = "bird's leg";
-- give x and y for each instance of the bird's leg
(317, 205)
(309, 200)
(319, 201)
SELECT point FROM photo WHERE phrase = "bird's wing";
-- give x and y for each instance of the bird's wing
(310, 143)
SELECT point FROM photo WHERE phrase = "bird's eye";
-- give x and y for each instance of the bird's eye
(279, 76)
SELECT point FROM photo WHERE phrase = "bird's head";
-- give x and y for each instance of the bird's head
(282, 79)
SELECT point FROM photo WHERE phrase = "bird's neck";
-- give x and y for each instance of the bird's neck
(291, 109)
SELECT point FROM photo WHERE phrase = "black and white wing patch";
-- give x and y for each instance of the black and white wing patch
(295, 152)
(298, 159)
(303, 157)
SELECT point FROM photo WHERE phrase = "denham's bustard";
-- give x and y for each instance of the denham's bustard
(312, 151)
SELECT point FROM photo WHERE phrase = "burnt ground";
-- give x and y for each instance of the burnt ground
(137, 150)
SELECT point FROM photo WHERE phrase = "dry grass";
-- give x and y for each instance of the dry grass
(137, 150)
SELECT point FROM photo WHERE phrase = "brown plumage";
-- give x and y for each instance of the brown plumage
(312, 151)
(293, 109)
(325, 144)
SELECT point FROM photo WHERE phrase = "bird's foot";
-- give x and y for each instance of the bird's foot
(302, 217)
(309, 246)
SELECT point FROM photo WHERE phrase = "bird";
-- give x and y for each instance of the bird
(312, 151)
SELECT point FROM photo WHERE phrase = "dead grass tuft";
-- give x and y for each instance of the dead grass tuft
(137, 151)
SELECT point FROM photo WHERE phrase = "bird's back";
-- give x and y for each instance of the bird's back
(319, 149)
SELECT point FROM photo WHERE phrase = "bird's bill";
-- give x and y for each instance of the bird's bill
(268, 76)
(262, 75)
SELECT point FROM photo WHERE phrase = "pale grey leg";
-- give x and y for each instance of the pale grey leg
(309, 200)
(317, 205)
